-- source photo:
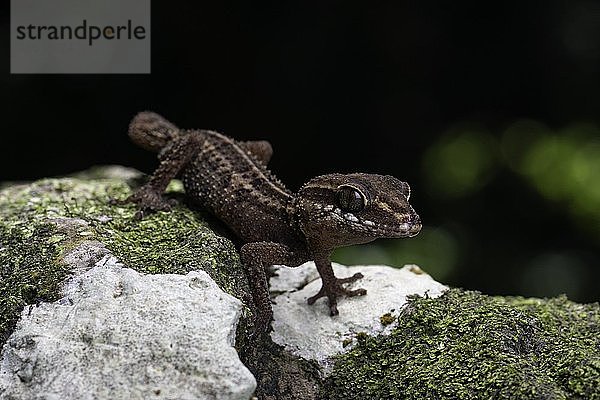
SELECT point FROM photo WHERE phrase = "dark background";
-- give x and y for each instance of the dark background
(490, 112)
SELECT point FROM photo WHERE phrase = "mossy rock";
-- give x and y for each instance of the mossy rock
(465, 345)
(41, 222)
(462, 345)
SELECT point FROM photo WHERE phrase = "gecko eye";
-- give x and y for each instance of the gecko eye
(350, 199)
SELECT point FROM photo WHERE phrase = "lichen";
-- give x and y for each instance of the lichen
(32, 241)
(465, 345)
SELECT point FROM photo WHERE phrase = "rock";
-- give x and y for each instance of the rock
(112, 172)
(433, 343)
(119, 334)
(42, 222)
(310, 333)
(412, 337)
(57, 230)
(466, 345)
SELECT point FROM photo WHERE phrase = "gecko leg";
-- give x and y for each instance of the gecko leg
(332, 286)
(256, 257)
(173, 158)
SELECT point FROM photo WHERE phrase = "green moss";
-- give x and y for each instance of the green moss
(176, 242)
(465, 345)
(28, 270)
(43, 220)
(387, 319)
(462, 345)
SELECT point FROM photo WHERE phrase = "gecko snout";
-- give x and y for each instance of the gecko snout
(415, 225)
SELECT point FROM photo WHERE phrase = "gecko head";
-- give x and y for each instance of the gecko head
(346, 209)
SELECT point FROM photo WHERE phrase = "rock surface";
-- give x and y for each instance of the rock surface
(310, 333)
(115, 340)
(459, 345)
(47, 225)
(466, 345)
(118, 334)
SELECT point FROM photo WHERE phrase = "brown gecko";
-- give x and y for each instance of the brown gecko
(230, 178)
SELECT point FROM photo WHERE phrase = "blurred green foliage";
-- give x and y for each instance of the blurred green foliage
(562, 167)
(461, 162)
(553, 273)
(435, 248)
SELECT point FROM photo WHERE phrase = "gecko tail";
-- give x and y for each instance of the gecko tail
(152, 131)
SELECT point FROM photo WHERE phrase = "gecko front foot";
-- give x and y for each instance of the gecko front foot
(148, 200)
(333, 289)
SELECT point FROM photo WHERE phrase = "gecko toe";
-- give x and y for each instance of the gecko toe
(335, 289)
(311, 300)
(357, 292)
(352, 278)
(333, 311)
(117, 202)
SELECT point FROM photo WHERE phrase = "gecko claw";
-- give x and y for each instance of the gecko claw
(148, 201)
(334, 289)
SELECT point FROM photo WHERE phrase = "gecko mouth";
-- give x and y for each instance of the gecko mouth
(401, 230)
(396, 230)
(409, 228)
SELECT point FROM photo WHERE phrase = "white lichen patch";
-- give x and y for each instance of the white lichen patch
(311, 333)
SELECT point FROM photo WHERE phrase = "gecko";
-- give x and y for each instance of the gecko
(231, 180)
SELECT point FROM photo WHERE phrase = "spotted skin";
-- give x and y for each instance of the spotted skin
(230, 178)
